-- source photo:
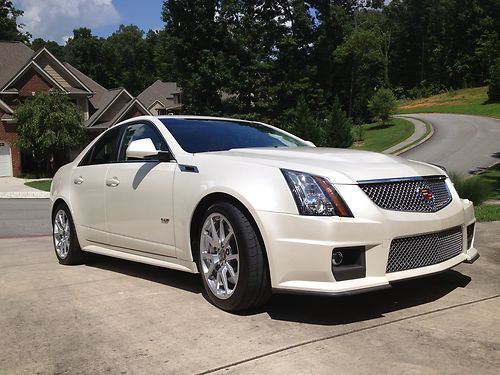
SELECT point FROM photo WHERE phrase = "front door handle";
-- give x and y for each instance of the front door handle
(78, 180)
(113, 181)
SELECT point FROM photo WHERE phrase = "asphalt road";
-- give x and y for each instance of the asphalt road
(24, 217)
(460, 142)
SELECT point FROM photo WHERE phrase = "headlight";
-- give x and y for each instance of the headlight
(314, 195)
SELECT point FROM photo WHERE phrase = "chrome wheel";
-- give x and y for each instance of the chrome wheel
(219, 255)
(61, 234)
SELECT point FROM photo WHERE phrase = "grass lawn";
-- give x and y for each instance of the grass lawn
(490, 212)
(380, 137)
(40, 185)
(473, 101)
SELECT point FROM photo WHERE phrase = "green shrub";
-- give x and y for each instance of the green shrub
(382, 105)
(471, 188)
(494, 86)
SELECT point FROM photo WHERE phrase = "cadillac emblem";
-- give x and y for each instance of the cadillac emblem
(426, 194)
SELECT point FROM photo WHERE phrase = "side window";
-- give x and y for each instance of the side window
(104, 150)
(135, 132)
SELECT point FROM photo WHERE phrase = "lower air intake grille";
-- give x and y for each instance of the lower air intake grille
(419, 251)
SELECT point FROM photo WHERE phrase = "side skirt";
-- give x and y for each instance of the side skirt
(173, 263)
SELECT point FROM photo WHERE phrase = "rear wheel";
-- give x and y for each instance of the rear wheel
(231, 259)
(66, 245)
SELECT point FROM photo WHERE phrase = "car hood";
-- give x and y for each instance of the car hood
(342, 166)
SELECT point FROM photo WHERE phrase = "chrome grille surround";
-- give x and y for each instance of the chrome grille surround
(412, 194)
(424, 250)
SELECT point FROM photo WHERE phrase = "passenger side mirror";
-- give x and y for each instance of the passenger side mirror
(145, 149)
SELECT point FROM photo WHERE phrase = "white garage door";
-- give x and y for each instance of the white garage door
(5, 160)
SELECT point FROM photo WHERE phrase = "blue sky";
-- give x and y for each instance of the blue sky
(146, 14)
(56, 19)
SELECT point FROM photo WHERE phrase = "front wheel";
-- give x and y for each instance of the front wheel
(231, 259)
(66, 244)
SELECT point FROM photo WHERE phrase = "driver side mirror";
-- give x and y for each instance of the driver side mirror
(145, 149)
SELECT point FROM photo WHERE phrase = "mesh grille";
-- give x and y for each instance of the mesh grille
(426, 194)
(420, 251)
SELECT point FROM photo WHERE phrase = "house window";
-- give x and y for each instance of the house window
(161, 111)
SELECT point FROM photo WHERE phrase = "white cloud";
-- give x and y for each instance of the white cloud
(56, 19)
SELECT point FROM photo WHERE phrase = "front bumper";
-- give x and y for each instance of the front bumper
(299, 248)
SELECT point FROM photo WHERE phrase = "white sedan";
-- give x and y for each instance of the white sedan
(256, 210)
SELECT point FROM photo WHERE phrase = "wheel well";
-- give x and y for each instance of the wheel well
(58, 202)
(204, 204)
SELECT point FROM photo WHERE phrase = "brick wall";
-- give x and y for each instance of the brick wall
(31, 82)
(8, 134)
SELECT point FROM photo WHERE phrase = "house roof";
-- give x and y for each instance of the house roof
(89, 82)
(101, 101)
(158, 91)
(14, 56)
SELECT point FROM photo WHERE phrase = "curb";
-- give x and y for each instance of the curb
(418, 142)
(25, 195)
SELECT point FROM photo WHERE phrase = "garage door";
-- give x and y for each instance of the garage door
(5, 160)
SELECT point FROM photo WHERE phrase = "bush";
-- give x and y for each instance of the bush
(338, 128)
(471, 188)
(382, 105)
(494, 86)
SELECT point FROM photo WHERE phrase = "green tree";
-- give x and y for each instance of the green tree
(49, 123)
(125, 59)
(56, 49)
(494, 86)
(198, 39)
(9, 28)
(85, 52)
(305, 123)
(337, 128)
(382, 105)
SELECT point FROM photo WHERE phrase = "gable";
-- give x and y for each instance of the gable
(31, 82)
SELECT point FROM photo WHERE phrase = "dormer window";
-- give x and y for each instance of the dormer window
(161, 111)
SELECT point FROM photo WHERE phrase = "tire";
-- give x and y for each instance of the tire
(232, 264)
(64, 237)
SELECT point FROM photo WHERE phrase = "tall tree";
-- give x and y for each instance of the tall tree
(198, 41)
(126, 60)
(85, 52)
(9, 28)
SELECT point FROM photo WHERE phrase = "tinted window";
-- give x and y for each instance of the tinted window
(104, 150)
(195, 135)
(135, 132)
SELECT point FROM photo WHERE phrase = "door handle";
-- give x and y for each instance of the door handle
(78, 180)
(113, 181)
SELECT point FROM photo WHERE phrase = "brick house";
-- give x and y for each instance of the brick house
(23, 72)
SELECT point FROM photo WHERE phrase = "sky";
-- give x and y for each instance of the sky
(56, 19)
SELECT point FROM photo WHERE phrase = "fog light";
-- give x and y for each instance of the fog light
(337, 258)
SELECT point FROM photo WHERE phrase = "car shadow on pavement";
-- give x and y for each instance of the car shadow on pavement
(366, 306)
(303, 308)
(176, 279)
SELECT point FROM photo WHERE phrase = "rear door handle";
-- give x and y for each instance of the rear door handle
(113, 181)
(78, 180)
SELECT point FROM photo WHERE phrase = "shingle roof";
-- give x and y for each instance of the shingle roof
(87, 81)
(158, 91)
(100, 101)
(13, 57)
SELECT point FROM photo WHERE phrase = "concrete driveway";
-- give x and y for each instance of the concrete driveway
(115, 316)
(460, 142)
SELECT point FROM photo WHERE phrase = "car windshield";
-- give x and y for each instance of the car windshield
(199, 135)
